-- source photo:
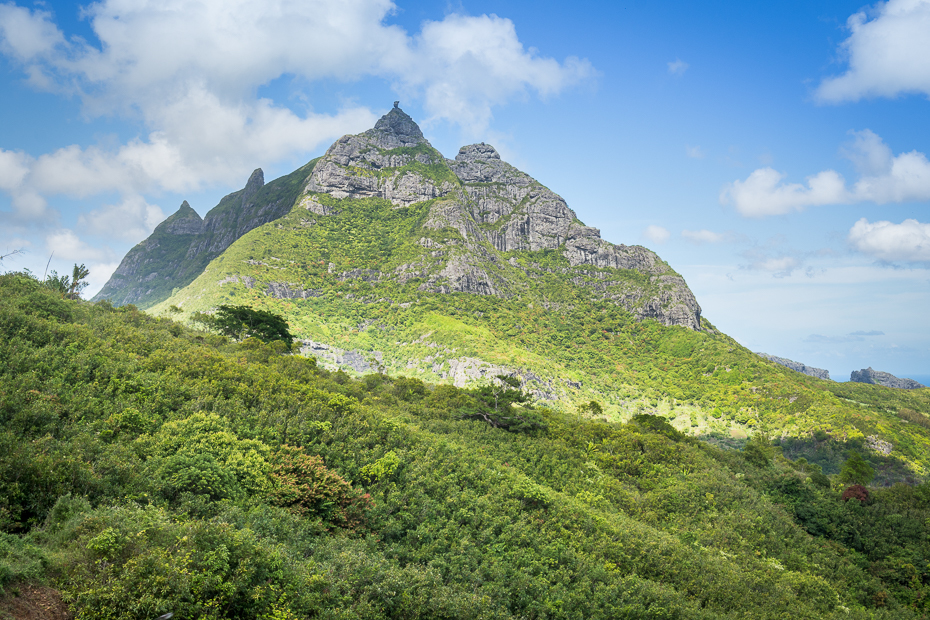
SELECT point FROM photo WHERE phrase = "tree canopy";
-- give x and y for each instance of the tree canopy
(243, 322)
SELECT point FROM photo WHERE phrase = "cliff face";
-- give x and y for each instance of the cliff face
(495, 211)
(154, 267)
(867, 375)
(820, 373)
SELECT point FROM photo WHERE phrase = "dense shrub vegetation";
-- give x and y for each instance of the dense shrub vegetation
(147, 468)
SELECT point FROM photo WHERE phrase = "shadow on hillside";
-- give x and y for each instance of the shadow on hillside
(829, 454)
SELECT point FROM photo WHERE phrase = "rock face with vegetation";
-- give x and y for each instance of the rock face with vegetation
(481, 216)
(820, 373)
(181, 247)
(867, 375)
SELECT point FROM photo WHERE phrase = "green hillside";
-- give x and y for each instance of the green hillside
(566, 345)
(147, 468)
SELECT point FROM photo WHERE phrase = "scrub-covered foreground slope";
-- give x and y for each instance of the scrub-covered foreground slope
(146, 468)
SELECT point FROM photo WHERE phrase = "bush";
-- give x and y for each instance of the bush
(303, 484)
(856, 491)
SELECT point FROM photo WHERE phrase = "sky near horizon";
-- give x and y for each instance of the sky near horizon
(775, 154)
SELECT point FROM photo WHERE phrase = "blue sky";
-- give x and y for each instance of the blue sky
(775, 154)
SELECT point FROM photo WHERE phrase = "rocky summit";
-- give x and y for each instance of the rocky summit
(385, 255)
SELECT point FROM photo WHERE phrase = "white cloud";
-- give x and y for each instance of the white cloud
(694, 152)
(908, 241)
(14, 167)
(763, 193)
(131, 220)
(678, 67)
(888, 54)
(189, 72)
(68, 246)
(465, 65)
(27, 35)
(704, 236)
(884, 178)
(656, 234)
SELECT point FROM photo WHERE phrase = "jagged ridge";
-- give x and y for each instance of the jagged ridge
(183, 245)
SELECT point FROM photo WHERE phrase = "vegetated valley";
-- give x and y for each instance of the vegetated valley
(497, 415)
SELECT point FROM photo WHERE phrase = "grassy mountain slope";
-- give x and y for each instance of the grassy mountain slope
(149, 468)
(566, 345)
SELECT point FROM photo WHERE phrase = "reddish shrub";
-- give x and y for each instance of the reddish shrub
(303, 484)
(856, 491)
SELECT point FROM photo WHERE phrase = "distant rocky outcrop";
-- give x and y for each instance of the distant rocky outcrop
(877, 377)
(820, 373)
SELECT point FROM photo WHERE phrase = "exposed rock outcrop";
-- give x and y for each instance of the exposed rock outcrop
(867, 375)
(493, 208)
(820, 373)
(378, 164)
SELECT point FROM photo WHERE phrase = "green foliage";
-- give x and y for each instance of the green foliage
(856, 470)
(20, 560)
(303, 484)
(157, 469)
(71, 286)
(758, 450)
(243, 322)
(495, 404)
(593, 407)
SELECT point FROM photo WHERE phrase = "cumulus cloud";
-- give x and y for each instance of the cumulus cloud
(26, 35)
(132, 219)
(68, 246)
(656, 234)
(764, 192)
(888, 53)
(704, 236)
(189, 72)
(466, 65)
(678, 67)
(908, 241)
(884, 178)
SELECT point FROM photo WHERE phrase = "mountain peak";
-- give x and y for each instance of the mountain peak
(184, 221)
(395, 130)
(256, 182)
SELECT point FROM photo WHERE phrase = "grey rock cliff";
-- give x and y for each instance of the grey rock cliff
(820, 373)
(493, 208)
(369, 165)
(867, 375)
